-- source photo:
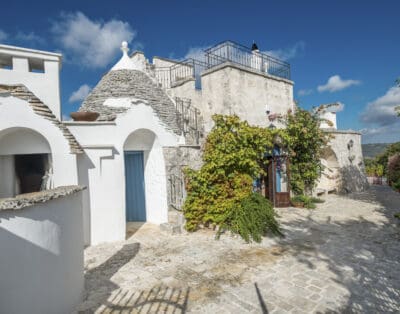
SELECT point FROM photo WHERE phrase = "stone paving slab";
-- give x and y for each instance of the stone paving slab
(343, 257)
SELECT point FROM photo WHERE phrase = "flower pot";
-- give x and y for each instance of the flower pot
(84, 115)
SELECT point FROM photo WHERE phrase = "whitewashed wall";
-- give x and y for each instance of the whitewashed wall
(44, 85)
(103, 170)
(41, 260)
(27, 133)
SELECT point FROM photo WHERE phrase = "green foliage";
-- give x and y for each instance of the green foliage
(252, 219)
(393, 173)
(233, 156)
(397, 215)
(383, 158)
(307, 201)
(305, 142)
(373, 168)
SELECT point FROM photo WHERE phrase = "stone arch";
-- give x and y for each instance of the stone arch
(25, 161)
(330, 175)
(146, 141)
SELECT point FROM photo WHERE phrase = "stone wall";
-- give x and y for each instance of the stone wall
(346, 146)
(232, 89)
(177, 158)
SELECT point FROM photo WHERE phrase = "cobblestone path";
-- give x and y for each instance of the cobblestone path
(343, 257)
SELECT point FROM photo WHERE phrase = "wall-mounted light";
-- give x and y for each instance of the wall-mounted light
(267, 109)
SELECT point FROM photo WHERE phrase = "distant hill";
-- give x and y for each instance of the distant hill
(373, 150)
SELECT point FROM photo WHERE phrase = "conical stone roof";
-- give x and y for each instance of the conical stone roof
(133, 84)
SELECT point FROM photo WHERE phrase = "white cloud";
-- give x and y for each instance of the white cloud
(305, 92)
(382, 118)
(91, 43)
(288, 53)
(80, 94)
(29, 37)
(196, 53)
(3, 35)
(383, 134)
(381, 110)
(335, 83)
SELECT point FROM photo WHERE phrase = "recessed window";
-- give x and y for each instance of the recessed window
(6, 62)
(36, 65)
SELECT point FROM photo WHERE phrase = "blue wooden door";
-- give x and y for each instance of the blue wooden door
(134, 183)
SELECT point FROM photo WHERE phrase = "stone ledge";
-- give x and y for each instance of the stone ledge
(29, 199)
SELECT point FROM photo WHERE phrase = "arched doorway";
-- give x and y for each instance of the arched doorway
(25, 162)
(145, 181)
(329, 181)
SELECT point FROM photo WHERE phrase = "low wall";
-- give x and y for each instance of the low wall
(41, 259)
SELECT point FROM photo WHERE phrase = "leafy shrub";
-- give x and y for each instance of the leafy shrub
(305, 141)
(252, 218)
(233, 156)
(309, 202)
(393, 170)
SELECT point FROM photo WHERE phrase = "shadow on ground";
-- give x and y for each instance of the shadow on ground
(159, 299)
(364, 255)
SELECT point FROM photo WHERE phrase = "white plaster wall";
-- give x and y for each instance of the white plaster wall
(104, 171)
(46, 86)
(41, 263)
(17, 115)
(232, 90)
(23, 141)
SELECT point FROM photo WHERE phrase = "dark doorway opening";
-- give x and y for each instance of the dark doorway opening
(30, 170)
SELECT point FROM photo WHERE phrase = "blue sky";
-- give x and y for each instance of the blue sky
(347, 51)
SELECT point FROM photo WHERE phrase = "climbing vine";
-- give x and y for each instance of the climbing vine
(220, 193)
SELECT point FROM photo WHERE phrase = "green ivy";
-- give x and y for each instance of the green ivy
(305, 141)
(233, 156)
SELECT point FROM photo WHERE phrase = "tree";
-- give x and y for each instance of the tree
(305, 141)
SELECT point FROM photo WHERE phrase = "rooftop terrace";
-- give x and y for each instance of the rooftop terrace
(225, 52)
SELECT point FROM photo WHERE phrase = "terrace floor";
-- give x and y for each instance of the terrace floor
(343, 257)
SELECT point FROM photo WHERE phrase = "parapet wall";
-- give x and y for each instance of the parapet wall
(41, 262)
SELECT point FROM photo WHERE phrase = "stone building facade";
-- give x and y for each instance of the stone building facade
(152, 121)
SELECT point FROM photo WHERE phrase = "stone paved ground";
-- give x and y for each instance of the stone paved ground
(343, 257)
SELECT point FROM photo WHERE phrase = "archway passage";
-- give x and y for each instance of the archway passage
(329, 181)
(25, 162)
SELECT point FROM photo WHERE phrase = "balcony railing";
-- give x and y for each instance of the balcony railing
(189, 120)
(227, 51)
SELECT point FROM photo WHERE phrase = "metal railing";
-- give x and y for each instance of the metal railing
(229, 51)
(189, 119)
(177, 191)
(181, 71)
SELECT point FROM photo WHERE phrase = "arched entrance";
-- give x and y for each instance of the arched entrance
(329, 181)
(25, 162)
(145, 182)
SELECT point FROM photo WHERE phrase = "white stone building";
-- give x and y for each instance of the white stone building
(151, 120)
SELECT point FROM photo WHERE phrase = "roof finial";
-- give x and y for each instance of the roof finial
(124, 47)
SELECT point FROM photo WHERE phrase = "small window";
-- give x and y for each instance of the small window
(6, 62)
(36, 65)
